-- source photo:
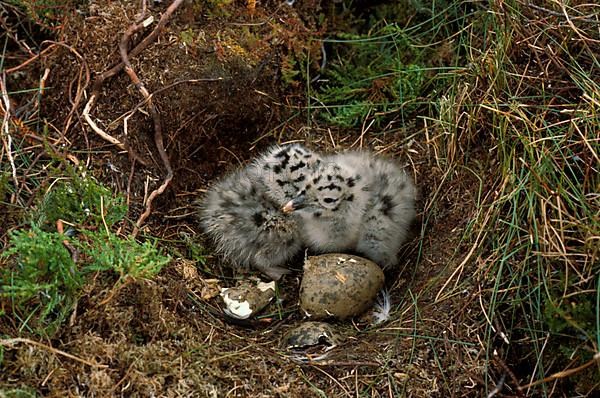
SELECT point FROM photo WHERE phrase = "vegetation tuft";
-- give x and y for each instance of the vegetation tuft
(48, 265)
(43, 283)
(79, 200)
(370, 77)
(47, 14)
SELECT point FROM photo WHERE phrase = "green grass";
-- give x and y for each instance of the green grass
(542, 240)
(538, 218)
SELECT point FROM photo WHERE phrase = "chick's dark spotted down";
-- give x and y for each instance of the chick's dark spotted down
(355, 201)
(281, 170)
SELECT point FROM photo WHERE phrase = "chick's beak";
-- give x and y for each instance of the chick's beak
(293, 204)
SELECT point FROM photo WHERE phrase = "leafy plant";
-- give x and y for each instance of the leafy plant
(126, 257)
(80, 200)
(47, 269)
(44, 280)
(369, 77)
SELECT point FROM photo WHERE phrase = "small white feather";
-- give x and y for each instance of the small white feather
(382, 308)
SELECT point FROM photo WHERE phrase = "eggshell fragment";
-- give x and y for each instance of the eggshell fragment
(311, 334)
(248, 298)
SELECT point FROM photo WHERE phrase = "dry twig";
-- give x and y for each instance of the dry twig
(13, 341)
(138, 48)
(158, 135)
(5, 133)
(564, 373)
(118, 67)
(105, 136)
(138, 25)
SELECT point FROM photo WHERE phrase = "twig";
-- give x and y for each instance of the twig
(11, 342)
(117, 68)
(80, 88)
(139, 24)
(144, 11)
(564, 373)
(139, 48)
(104, 135)
(143, 102)
(94, 126)
(334, 380)
(498, 387)
(572, 25)
(158, 136)
(30, 60)
(8, 143)
(508, 371)
(583, 18)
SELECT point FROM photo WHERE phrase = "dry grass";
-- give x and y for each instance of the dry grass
(531, 98)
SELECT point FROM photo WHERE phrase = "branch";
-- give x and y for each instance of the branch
(11, 342)
(139, 48)
(158, 136)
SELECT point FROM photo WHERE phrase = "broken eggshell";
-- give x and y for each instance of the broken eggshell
(339, 285)
(248, 298)
(311, 334)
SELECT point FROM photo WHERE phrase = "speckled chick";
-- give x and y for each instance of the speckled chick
(356, 201)
(242, 212)
(281, 170)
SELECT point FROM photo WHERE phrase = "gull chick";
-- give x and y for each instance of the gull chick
(242, 212)
(355, 201)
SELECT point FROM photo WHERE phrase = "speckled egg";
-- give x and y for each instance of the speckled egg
(339, 286)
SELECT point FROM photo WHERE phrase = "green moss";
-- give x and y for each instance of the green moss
(22, 392)
(45, 270)
(79, 199)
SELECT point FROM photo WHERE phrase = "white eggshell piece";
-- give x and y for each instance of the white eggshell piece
(248, 298)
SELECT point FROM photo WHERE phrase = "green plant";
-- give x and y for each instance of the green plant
(45, 13)
(47, 269)
(538, 227)
(126, 257)
(43, 281)
(195, 250)
(79, 199)
(371, 76)
(22, 392)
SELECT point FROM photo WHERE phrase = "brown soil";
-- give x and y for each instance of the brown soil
(161, 337)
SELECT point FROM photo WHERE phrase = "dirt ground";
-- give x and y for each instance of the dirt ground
(163, 337)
